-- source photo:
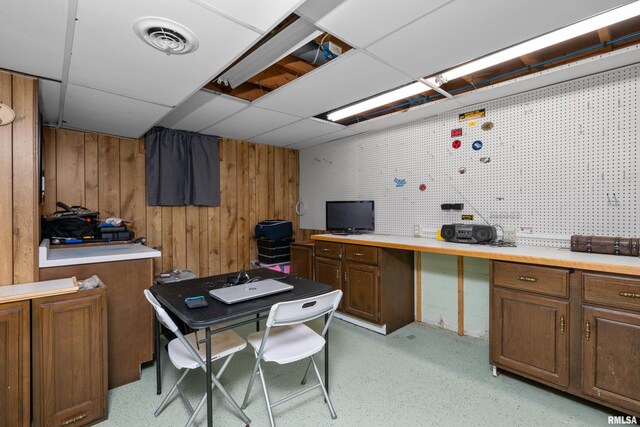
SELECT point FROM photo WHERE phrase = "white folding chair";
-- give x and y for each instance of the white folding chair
(186, 353)
(287, 339)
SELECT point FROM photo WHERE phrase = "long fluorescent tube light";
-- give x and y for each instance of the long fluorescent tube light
(591, 24)
(286, 41)
(376, 101)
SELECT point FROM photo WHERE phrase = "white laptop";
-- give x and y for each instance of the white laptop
(249, 291)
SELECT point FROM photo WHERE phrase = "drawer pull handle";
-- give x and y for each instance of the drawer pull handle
(358, 254)
(629, 295)
(587, 330)
(527, 279)
(325, 249)
(562, 325)
(73, 419)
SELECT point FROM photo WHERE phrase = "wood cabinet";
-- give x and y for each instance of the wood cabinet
(130, 339)
(302, 259)
(578, 331)
(377, 283)
(15, 389)
(69, 362)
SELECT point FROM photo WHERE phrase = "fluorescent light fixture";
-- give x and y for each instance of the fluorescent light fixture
(591, 24)
(296, 34)
(376, 101)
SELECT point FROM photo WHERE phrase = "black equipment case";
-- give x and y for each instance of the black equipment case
(274, 229)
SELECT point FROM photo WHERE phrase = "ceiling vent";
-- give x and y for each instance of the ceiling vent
(166, 35)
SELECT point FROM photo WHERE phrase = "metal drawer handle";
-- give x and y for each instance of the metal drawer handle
(587, 330)
(358, 254)
(562, 325)
(325, 249)
(629, 295)
(527, 279)
(73, 419)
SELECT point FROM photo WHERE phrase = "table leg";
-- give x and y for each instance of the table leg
(257, 322)
(326, 355)
(209, 384)
(158, 357)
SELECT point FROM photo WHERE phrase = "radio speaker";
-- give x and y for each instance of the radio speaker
(467, 233)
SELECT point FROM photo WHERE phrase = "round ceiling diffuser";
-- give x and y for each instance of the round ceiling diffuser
(6, 114)
(166, 35)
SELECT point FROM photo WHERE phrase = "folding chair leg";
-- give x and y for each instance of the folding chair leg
(245, 402)
(266, 397)
(306, 372)
(173, 389)
(324, 390)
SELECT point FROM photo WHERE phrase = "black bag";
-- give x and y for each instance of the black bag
(274, 229)
(72, 222)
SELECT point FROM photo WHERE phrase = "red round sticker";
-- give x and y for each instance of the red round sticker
(456, 144)
(422, 187)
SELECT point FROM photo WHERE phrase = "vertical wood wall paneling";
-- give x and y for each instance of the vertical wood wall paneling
(213, 237)
(253, 200)
(193, 238)
(70, 161)
(6, 187)
(167, 238)
(262, 183)
(91, 168)
(26, 224)
(242, 182)
(203, 242)
(179, 232)
(154, 233)
(108, 176)
(132, 186)
(229, 206)
(271, 176)
(49, 164)
(293, 191)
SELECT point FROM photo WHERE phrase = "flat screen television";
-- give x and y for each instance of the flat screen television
(350, 217)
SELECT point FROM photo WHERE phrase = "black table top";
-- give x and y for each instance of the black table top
(172, 295)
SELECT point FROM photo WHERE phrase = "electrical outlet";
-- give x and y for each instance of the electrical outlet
(423, 231)
(416, 230)
(334, 48)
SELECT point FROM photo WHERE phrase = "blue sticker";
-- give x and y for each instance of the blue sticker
(476, 145)
(400, 182)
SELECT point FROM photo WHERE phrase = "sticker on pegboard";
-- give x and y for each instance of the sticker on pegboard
(485, 159)
(456, 144)
(462, 170)
(477, 145)
(400, 182)
(475, 114)
(487, 126)
(456, 132)
(422, 187)
(467, 217)
(472, 124)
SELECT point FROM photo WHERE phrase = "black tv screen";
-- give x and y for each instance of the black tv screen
(350, 216)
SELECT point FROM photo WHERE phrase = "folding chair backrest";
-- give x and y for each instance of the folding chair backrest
(162, 315)
(303, 310)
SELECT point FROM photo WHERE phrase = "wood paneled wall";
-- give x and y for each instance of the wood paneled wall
(19, 220)
(107, 173)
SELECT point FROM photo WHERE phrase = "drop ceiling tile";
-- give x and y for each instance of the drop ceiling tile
(348, 78)
(202, 110)
(375, 18)
(97, 111)
(259, 14)
(313, 10)
(464, 30)
(296, 132)
(107, 55)
(342, 133)
(250, 122)
(49, 101)
(32, 36)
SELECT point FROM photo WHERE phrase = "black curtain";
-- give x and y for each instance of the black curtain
(183, 168)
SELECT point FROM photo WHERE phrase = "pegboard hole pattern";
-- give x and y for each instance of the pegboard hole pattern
(563, 161)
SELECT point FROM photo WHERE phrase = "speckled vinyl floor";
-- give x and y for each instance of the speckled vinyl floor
(417, 376)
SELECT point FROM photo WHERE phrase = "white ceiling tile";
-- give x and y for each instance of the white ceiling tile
(32, 36)
(250, 122)
(259, 14)
(49, 101)
(375, 18)
(299, 131)
(202, 110)
(346, 79)
(342, 133)
(313, 10)
(97, 111)
(464, 30)
(107, 55)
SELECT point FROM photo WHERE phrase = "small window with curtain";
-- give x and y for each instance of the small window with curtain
(183, 168)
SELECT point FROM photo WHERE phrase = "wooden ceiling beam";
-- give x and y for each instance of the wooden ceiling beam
(295, 65)
(272, 78)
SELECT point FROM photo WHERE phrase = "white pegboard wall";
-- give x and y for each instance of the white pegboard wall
(563, 161)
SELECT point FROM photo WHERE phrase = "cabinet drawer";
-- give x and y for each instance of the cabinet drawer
(328, 249)
(531, 278)
(615, 291)
(364, 254)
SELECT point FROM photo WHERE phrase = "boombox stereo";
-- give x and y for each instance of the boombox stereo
(467, 233)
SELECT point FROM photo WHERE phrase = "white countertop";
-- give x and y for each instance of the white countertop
(558, 257)
(61, 256)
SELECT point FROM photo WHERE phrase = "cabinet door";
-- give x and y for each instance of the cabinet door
(611, 356)
(362, 291)
(14, 364)
(530, 334)
(329, 271)
(302, 261)
(69, 386)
